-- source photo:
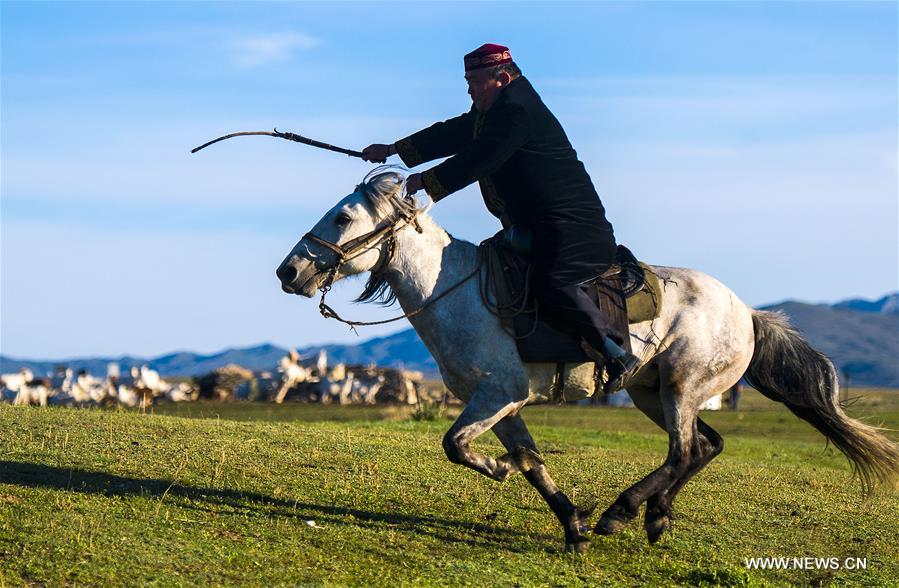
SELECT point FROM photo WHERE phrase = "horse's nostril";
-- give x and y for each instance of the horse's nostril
(287, 274)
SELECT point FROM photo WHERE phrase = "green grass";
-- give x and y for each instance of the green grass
(93, 497)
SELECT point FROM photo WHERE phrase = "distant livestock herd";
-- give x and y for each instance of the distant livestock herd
(141, 387)
(293, 379)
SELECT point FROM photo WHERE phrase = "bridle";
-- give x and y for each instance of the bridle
(357, 246)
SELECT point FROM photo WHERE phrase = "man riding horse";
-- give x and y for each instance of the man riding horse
(532, 180)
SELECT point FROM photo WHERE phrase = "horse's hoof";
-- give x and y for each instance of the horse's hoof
(609, 525)
(656, 527)
(581, 545)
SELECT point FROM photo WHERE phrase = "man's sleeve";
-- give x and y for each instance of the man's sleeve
(504, 132)
(438, 140)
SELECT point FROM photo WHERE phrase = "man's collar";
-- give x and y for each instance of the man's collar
(516, 84)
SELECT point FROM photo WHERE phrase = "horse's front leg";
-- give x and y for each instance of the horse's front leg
(482, 412)
(515, 437)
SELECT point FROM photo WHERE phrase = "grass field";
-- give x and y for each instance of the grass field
(198, 494)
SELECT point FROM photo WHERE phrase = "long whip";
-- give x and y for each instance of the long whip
(289, 137)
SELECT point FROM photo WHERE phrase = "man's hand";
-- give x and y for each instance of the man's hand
(413, 184)
(378, 152)
(423, 199)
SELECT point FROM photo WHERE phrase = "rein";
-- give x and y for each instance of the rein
(355, 247)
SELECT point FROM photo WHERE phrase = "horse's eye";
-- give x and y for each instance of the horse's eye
(342, 219)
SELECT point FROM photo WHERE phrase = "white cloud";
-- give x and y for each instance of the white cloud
(271, 48)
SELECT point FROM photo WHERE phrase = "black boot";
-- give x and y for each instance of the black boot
(620, 365)
(619, 370)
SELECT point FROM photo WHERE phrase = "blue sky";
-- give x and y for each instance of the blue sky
(754, 141)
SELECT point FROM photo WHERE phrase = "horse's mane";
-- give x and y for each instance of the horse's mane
(384, 189)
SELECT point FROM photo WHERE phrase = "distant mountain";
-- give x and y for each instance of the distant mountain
(404, 349)
(860, 336)
(261, 357)
(889, 304)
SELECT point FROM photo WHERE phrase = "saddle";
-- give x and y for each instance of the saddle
(626, 292)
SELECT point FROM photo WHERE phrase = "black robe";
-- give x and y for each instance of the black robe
(529, 175)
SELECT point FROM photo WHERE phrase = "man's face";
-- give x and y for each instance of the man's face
(483, 88)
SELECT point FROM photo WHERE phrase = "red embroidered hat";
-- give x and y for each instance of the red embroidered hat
(487, 55)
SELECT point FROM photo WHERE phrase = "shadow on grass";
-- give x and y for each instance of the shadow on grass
(32, 475)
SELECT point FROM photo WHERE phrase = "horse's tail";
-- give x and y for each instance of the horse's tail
(787, 369)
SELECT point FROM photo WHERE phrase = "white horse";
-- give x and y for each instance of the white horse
(705, 340)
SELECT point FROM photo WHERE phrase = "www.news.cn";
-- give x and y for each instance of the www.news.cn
(806, 563)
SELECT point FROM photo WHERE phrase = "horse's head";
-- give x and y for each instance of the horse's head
(351, 238)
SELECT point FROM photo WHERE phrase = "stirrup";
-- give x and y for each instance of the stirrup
(620, 369)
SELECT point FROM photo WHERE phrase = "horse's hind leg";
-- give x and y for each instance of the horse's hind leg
(515, 437)
(680, 422)
(707, 444)
(711, 445)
